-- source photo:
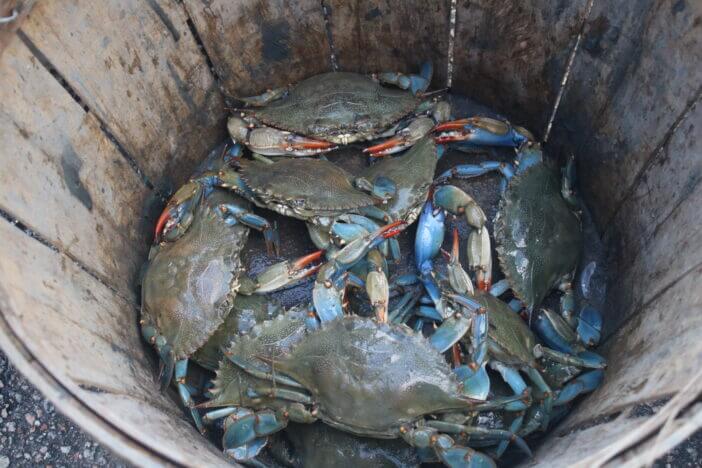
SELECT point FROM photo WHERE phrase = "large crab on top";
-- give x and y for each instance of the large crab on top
(337, 108)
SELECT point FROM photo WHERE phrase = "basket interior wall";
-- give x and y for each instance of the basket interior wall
(105, 109)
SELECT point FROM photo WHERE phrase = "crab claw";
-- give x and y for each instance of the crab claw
(178, 213)
(408, 136)
(297, 142)
(356, 249)
(390, 146)
(481, 131)
(286, 274)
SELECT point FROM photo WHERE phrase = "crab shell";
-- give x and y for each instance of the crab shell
(538, 235)
(246, 312)
(339, 107)
(510, 339)
(412, 173)
(303, 188)
(190, 284)
(364, 377)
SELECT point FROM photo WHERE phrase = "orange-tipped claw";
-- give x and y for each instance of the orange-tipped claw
(302, 262)
(484, 282)
(161, 223)
(456, 244)
(452, 125)
(392, 229)
(379, 149)
(302, 143)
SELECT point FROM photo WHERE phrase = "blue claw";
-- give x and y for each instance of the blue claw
(584, 383)
(246, 429)
(476, 383)
(429, 312)
(450, 332)
(247, 452)
(479, 337)
(481, 131)
(513, 427)
(464, 457)
(516, 383)
(430, 234)
(551, 337)
(590, 326)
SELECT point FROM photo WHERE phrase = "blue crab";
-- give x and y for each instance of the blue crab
(509, 347)
(192, 278)
(332, 109)
(537, 227)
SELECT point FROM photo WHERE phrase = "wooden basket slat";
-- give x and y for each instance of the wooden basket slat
(260, 44)
(391, 35)
(87, 337)
(140, 70)
(69, 182)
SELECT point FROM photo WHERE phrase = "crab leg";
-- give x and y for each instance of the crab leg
(584, 383)
(516, 383)
(233, 214)
(181, 370)
(479, 433)
(451, 454)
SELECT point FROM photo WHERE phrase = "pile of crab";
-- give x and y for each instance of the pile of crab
(394, 368)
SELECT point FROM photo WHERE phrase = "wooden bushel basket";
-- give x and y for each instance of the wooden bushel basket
(106, 106)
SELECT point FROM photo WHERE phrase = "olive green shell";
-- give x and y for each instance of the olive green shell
(412, 173)
(189, 284)
(365, 378)
(538, 235)
(510, 339)
(339, 107)
(245, 313)
(315, 445)
(308, 187)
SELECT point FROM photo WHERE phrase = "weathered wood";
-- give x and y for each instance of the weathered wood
(8, 9)
(569, 449)
(640, 67)
(138, 67)
(87, 338)
(511, 56)
(65, 179)
(257, 44)
(656, 236)
(391, 35)
(654, 354)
